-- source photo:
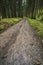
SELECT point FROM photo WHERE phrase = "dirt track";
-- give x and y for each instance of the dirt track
(19, 46)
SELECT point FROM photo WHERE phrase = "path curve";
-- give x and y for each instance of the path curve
(19, 46)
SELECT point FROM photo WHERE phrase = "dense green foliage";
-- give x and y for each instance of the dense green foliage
(37, 25)
(19, 8)
(2, 27)
(5, 23)
(11, 21)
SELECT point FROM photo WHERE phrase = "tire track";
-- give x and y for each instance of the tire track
(22, 47)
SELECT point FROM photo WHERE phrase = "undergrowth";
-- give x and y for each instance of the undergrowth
(7, 22)
(37, 25)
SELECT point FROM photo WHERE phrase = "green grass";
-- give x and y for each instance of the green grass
(37, 25)
(7, 22)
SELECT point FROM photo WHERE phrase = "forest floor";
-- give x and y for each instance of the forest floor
(19, 46)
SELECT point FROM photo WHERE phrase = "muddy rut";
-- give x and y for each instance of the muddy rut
(19, 46)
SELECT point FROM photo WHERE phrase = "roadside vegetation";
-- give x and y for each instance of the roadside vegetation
(11, 9)
(7, 22)
(37, 25)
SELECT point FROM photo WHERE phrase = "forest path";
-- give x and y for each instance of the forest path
(19, 46)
